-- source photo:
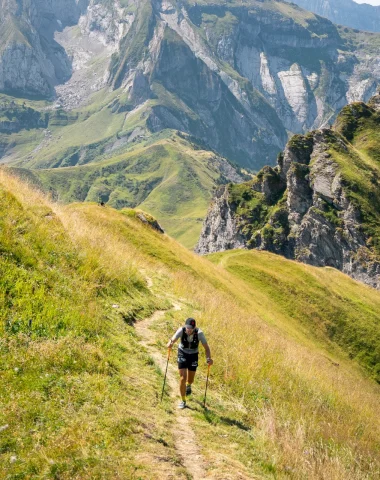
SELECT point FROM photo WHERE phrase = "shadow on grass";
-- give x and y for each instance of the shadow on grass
(212, 417)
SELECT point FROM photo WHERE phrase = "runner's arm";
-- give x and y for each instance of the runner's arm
(210, 361)
(174, 338)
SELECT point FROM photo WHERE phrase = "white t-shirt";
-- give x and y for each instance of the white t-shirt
(201, 338)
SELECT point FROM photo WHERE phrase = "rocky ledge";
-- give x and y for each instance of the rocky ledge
(319, 205)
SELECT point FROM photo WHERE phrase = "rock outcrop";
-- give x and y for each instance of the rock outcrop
(316, 206)
(221, 231)
(150, 221)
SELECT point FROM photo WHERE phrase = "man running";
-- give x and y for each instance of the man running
(188, 355)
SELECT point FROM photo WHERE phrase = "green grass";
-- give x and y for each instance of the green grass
(17, 118)
(99, 126)
(143, 174)
(68, 397)
(75, 130)
(356, 40)
(79, 395)
(336, 315)
(222, 12)
(133, 174)
(167, 178)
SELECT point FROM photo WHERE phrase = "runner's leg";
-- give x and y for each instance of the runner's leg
(182, 382)
(190, 377)
(193, 365)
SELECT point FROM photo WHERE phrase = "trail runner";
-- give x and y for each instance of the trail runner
(187, 359)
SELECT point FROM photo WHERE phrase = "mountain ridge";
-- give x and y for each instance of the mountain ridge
(222, 43)
(236, 77)
(319, 205)
(151, 176)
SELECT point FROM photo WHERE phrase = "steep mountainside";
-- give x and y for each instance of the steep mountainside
(237, 75)
(320, 205)
(345, 12)
(97, 81)
(31, 61)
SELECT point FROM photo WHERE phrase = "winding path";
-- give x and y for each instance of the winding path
(184, 437)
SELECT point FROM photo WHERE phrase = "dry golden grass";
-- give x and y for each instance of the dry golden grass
(318, 409)
(278, 403)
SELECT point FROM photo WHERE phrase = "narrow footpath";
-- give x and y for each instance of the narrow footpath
(184, 437)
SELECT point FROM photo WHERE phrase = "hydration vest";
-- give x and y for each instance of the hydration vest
(193, 345)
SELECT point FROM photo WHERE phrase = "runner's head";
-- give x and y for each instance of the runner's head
(190, 324)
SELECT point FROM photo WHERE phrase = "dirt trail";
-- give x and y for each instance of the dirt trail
(184, 436)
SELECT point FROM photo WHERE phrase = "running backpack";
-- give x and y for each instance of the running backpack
(193, 345)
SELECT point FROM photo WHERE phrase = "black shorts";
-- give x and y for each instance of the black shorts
(187, 360)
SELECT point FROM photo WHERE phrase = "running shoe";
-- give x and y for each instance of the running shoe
(182, 404)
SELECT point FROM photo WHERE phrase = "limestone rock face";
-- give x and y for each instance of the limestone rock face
(321, 225)
(320, 240)
(221, 231)
(39, 53)
(280, 59)
(297, 76)
(31, 61)
(26, 70)
(239, 77)
(90, 47)
(375, 103)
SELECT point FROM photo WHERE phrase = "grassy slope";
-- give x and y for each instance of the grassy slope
(67, 394)
(167, 178)
(335, 312)
(81, 136)
(285, 10)
(73, 404)
(92, 124)
(136, 174)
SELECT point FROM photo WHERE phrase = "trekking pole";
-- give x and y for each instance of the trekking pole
(166, 371)
(208, 374)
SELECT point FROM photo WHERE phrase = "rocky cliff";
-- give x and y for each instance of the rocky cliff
(31, 61)
(320, 204)
(245, 72)
(238, 76)
(44, 43)
(345, 12)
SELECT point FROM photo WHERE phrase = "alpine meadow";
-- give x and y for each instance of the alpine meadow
(176, 171)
